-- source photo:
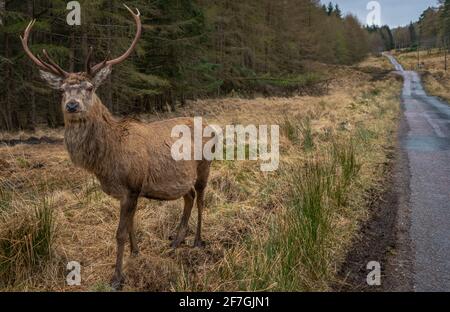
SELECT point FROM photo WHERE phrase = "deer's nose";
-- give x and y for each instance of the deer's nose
(72, 106)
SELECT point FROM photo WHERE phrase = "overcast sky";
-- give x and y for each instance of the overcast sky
(393, 12)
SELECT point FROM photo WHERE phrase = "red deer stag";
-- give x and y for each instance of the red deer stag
(130, 159)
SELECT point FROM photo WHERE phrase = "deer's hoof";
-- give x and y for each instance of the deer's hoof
(199, 243)
(117, 283)
(135, 254)
(175, 244)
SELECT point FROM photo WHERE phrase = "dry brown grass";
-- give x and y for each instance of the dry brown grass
(242, 202)
(432, 69)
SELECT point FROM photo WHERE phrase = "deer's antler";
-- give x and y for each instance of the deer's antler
(49, 65)
(95, 69)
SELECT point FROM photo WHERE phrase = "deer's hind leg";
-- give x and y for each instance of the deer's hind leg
(132, 235)
(183, 227)
(200, 186)
(200, 205)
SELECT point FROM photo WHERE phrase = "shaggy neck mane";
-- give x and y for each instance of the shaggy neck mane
(92, 140)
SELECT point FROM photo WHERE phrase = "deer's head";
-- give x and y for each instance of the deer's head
(78, 89)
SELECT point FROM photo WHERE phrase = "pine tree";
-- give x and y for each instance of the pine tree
(337, 11)
(412, 34)
(445, 21)
(330, 9)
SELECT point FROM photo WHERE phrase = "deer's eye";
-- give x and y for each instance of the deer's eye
(89, 87)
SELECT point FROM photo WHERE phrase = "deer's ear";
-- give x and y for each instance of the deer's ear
(101, 76)
(53, 80)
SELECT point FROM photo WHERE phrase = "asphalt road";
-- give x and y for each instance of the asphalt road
(427, 146)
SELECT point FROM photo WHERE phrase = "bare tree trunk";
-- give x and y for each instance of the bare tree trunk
(84, 44)
(109, 92)
(8, 107)
(32, 113)
(54, 114)
(72, 53)
(3, 108)
(266, 44)
(2, 10)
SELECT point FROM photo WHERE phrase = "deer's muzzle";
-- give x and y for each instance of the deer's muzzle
(72, 107)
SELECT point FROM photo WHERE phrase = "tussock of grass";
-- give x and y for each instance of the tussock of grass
(307, 134)
(5, 198)
(26, 239)
(290, 129)
(348, 168)
(296, 254)
(298, 241)
(298, 130)
(152, 274)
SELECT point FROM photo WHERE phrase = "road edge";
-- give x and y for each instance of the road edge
(385, 236)
(399, 267)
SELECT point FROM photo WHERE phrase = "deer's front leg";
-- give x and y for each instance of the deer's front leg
(127, 208)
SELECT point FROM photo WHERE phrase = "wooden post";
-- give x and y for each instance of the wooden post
(418, 55)
(445, 53)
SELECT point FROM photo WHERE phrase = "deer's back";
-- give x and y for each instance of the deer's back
(148, 165)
